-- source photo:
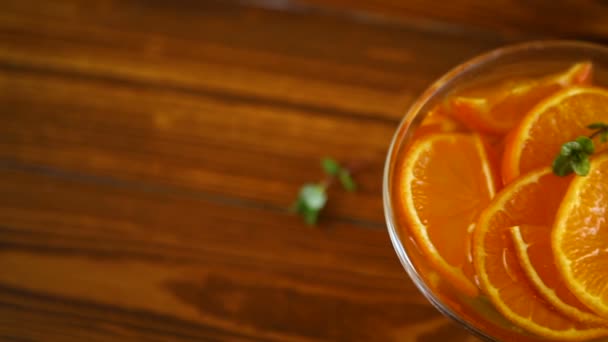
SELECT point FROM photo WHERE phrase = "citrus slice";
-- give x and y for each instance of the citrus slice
(580, 237)
(562, 117)
(438, 121)
(533, 250)
(444, 182)
(532, 199)
(496, 109)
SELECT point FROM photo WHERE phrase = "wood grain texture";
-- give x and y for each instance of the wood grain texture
(571, 19)
(149, 151)
(233, 115)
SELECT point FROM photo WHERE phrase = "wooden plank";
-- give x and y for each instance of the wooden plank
(254, 153)
(314, 60)
(238, 115)
(110, 260)
(513, 19)
(148, 153)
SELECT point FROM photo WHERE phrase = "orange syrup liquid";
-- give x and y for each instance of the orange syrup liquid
(478, 311)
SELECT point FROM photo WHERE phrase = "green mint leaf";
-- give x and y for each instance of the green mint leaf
(314, 196)
(298, 206)
(581, 166)
(586, 145)
(598, 125)
(574, 155)
(330, 166)
(569, 148)
(310, 202)
(562, 165)
(310, 216)
(347, 181)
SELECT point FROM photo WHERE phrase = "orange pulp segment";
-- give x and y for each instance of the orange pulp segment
(560, 118)
(533, 250)
(580, 237)
(497, 109)
(445, 182)
(532, 199)
(438, 121)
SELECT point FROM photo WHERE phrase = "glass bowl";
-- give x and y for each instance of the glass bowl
(528, 59)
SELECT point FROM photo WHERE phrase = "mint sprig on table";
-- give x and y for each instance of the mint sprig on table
(313, 196)
(333, 169)
(574, 155)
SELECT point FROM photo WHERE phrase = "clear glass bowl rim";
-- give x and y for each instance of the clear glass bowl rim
(415, 110)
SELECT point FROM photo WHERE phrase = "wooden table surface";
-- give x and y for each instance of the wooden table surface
(149, 151)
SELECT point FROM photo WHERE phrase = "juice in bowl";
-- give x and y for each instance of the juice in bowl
(496, 193)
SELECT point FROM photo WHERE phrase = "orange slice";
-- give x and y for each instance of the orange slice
(580, 237)
(438, 121)
(562, 117)
(533, 250)
(532, 199)
(496, 109)
(444, 183)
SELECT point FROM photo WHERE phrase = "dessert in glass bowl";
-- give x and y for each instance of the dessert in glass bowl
(496, 193)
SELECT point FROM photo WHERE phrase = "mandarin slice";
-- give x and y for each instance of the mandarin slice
(533, 249)
(444, 182)
(438, 121)
(562, 117)
(532, 199)
(580, 237)
(498, 108)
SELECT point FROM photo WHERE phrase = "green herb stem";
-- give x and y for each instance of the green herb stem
(313, 196)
